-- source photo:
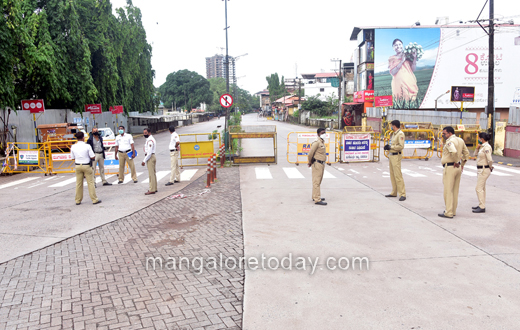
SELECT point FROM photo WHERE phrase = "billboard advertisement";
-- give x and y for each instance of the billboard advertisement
(462, 94)
(418, 65)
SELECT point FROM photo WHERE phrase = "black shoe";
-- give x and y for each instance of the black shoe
(119, 182)
(475, 207)
(320, 203)
(479, 210)
(107, 184)
(175, 181)
(169, 184)
(442, 215)
(78, 203)
(135, 181)
(390, 195)
(402, 199)
(99, 201)
(321, 199)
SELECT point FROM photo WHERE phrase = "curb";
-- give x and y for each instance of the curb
(502, 163)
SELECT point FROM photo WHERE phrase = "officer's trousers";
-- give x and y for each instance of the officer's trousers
(85, 171)
(99, 160)
(317, 176)
(482, 176)
(123, 158)
(451, 181)
(150, 164)
(174, 163)
(396, 176)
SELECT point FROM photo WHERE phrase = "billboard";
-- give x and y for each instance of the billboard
(462, 94)
(417, 65)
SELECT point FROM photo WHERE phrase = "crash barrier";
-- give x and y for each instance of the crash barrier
(359, 144)
(211, 172)
(194, 148)
(222, 155)
(299, 145)
(469, 133)
(419, 140)
(51, 157)
(244, 150)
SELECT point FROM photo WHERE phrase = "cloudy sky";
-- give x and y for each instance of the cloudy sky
(289, 37)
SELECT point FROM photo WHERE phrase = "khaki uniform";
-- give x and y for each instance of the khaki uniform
(396, 147)
(483, 159)
(150, 164)
(99, 160)
(174, 163)
(123, 158)
(85, 171)
(318, 152)
(454, 151)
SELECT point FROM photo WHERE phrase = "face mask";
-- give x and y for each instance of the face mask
(479, 142)
(146, 136)
(121, 131)
(95, 133)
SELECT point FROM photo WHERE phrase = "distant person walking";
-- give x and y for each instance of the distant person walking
(174, 148)
(454, 157)
(125, 143)
(96, 143)
(484, 168)
(150, 161)
(395, 157)
(82, 154)
(316, 158)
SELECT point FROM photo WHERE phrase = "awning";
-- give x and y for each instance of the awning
(352, 103)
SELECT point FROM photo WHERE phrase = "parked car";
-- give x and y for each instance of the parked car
(109, 138)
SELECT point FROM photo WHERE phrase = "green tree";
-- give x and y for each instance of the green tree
(186, 88)
(217, 87)
(315, 106)
(276, 87)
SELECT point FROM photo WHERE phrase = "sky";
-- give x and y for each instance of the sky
(288, 37)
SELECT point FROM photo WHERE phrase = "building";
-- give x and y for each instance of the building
(265, 102)
(324, 84)
(216, 68)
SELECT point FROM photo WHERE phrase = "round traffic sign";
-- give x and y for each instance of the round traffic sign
(226, 100)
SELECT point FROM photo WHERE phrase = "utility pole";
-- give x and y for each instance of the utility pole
(491, 72)
(226, 129)
(339, 93)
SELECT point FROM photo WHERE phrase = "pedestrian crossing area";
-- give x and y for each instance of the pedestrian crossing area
(69, 180)
(469, 171)
(273, 172)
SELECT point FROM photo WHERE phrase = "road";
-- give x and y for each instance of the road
(38, 211)
(425, 271)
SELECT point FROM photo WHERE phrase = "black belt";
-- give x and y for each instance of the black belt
(395, 153)
(83, 164)
(482, 166)
(449, 164)
(320, 161)
(124, 151)
(172, 150)
(100, 152)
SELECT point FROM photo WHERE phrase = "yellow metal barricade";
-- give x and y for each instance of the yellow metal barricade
(359, 144)
(195, 149)
(299, 145)
(60, 158)
(419, 137)
(469, 133)
(25, 157)
(239, 133)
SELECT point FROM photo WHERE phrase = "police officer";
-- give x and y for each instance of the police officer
(454, 157)
(174, 147)
(125, 143)
(150, 161)
(317, 157)
(82, 154)
(484, 169)
(394, 157)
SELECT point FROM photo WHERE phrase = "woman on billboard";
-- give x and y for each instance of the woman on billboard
(402, 66)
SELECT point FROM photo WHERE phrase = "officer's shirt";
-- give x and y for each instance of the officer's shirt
(397, 141)
(81, 152)
(454, 151)
(174, 138)
(484, 155)
(318, 150)
(149, 148)
(124, 142)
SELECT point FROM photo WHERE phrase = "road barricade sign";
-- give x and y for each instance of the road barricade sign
(419, 140)
(195, 149)
(299, 144)
(356, 147)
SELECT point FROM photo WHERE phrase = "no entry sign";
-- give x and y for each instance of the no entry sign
(226, 100)
(35, 106)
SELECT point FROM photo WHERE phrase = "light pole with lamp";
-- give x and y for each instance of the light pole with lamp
(439, 98)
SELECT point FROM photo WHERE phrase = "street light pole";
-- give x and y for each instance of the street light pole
(226, 127)
(491, 72)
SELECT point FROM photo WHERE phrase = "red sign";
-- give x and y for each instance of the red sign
(364, 96)
(226, 100)
(93, 108)
(383, 101)
(35, 106)
(116, 109)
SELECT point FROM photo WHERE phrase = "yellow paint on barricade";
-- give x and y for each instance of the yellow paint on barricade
(419, 137)
(25, 157)
(299, 145)
(198, 147)
(468, 132)
(237, 133)
(359, 144)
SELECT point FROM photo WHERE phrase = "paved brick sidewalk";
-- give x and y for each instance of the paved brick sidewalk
(99, 279)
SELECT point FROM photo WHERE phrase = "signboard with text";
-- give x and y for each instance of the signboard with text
(28, 157)
(35, 106)
(462, 94)
(116, 109)
(417, 144)
(364, 96)
(383, 101)
(356, 147)
(93, 108)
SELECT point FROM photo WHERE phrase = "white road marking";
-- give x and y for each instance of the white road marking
(263, 173)
(64, 183)
(474, 168)
(186, 175)
(413, 174)
(341, 169)
(503, 168)
(159, 175)
(128, 177)
(354, 171)
(98, 178)
(14, 183)
(328, 175)
(293, 173)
